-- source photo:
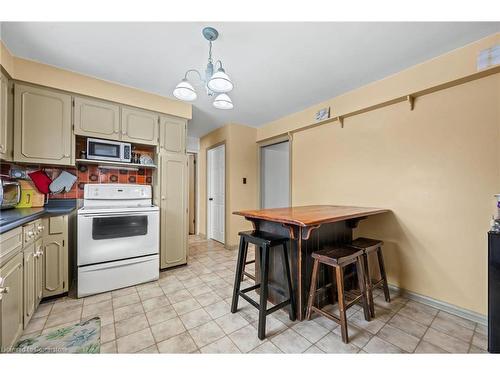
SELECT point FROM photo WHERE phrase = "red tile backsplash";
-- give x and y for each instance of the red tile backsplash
(87, 174)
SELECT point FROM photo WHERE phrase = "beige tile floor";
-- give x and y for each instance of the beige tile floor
(188, 311)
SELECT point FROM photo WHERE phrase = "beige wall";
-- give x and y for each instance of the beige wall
(436, 167)
(50, 76)
(241, 161)
(441, 70)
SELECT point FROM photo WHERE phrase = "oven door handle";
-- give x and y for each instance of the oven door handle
(90, 216)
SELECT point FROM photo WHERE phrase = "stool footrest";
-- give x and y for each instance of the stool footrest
(325, 314)
(249, 275)
(249, 300)
(250, 288)
(277, 307)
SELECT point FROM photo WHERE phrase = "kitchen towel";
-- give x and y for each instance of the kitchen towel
(41, 181)
(63, 182)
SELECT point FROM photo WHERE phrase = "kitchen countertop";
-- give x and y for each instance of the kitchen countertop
(15, 217)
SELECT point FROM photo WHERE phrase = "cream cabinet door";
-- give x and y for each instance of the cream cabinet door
(6, 118)
(139, 126)
(38, 257)
(42, 126)
(29, 283)
(55, 265)
(173, 206)
(94, 118)
(173, 134)
(11, 302)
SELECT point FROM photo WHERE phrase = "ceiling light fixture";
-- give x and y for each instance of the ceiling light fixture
(217, 84)
(222, 101)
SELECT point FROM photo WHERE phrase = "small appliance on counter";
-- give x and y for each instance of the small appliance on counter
(10, 192)
(30, 196)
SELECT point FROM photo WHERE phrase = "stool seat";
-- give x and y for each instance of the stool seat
(366, 244)
(337, 255)
(262, 238)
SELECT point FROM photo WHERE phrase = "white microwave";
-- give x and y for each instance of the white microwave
(100, 149)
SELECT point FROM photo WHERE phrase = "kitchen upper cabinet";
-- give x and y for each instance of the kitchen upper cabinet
(42, 126)
(95, 118)
(29, 283)
(6, 118)
(38, 258)
(139, 126)
(55, 257)
(173, 134)
(173, 209)
(11, 302)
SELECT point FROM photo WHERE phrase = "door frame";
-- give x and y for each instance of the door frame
(269, 142)
(207, 212)
(195, 182)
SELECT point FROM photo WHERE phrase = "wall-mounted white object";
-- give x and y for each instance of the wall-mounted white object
(488, 57)
(323, 114)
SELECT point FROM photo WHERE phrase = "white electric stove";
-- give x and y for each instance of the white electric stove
(118, 238)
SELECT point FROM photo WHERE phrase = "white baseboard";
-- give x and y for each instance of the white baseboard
(447, 307)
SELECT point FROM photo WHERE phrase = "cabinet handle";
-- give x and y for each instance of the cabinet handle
(163, 198)
(4, 290)
(1, 148)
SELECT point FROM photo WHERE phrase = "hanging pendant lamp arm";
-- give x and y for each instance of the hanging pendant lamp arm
(220, 65)
(196, 71)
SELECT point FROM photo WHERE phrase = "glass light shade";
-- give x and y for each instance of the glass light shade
(220, 82)
(185, 91)
(223, 101)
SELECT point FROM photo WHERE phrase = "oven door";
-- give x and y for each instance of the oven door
(116, 236)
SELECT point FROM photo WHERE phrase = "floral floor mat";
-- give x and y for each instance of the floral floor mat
(83, 337)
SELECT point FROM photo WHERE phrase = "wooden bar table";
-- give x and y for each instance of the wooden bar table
(309, 228)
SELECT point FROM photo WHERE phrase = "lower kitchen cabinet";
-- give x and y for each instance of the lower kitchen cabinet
(29, 282)
(55, 257)
(173, 209)
(11, 302)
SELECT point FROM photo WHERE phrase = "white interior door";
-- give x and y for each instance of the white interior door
(275, 175)
(216, 167)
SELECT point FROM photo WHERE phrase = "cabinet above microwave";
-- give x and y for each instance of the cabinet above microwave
(97, 118)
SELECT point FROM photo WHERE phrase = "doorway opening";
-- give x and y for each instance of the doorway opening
(216, 185)
(275, 175)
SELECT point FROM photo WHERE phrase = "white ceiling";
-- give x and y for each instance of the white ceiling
(277, 68)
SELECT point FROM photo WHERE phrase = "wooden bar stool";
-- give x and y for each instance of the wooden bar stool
(266, 242)
(338, 258)
(369, 245)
